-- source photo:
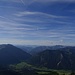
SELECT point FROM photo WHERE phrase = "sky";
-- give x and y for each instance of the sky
(37, 22)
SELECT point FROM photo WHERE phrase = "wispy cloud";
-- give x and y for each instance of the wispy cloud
(11, 0)
(35, 26)
(23, 2)
(41, 0)
(56, 0)
(25, 13)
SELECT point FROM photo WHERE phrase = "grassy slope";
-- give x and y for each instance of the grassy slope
(41, 71)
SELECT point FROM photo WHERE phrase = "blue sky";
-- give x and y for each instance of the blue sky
(37, 22)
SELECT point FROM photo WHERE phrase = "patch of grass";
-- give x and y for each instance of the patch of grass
(43, 73)
(63, 72)
(40, 70)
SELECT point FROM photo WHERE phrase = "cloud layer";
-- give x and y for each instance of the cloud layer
(42, 26)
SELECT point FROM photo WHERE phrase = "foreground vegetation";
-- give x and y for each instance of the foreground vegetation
(27, 69)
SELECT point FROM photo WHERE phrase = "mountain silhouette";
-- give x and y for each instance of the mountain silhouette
(10, 54)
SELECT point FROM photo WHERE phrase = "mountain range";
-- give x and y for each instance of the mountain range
(55, 57)
(10, 54)
(63, 58)
(37, 49)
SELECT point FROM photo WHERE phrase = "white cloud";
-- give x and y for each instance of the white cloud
(70, 35)
(26, 1)
(28, 13)
(56, 0)
(11, 0)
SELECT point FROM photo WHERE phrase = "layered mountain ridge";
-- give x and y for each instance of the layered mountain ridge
(60, 58)
(55, 59)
